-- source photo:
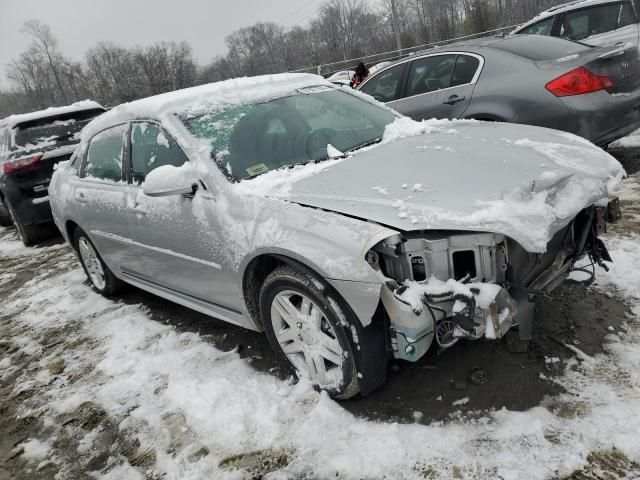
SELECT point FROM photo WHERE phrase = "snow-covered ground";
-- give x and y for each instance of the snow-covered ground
(192, 411)
(631, 141)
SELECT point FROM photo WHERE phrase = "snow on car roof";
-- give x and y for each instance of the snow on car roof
(206, 98)
(13, 120)
(565, 7)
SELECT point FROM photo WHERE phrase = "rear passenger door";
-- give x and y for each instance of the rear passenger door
(440, 86)
(99, 195)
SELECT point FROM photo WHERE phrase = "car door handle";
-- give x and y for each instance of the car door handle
(80, 198)
(453, 99)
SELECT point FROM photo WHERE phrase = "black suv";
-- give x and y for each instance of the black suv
(30, 145)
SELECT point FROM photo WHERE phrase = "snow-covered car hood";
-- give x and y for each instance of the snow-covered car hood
(520, 181)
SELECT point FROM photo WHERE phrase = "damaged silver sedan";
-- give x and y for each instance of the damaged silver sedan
(348, 233)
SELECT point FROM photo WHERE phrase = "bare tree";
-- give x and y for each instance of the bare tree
(46, 44)
(341, 32)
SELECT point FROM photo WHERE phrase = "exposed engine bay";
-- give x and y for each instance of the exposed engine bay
(444, 286)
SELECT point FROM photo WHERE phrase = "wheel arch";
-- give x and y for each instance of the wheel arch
(70, 227)
(255, 272)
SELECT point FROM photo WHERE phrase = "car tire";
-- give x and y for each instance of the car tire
(29, 234)
(100, 276)
(308, 330)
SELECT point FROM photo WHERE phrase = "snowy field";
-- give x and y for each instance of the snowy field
(100, 390)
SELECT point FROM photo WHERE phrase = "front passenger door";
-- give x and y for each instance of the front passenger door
(177, 245)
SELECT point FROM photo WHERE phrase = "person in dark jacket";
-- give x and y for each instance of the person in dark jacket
(361, 73)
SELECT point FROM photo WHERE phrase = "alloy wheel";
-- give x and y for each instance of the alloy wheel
(307, 338)
(92, 263)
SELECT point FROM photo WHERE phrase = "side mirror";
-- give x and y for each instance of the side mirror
(168, 180)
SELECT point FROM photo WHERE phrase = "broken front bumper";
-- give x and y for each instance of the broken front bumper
(446, 318)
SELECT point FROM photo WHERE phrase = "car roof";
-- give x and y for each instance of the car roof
(206, 98)
(477, 45)
(12, 120)
(565, 7)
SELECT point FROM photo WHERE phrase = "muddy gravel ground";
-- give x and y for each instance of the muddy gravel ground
(575, 316)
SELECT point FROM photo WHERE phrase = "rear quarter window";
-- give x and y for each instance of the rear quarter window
(538, 48)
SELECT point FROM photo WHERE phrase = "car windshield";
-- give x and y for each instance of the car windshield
(50, 130)
(252, 139)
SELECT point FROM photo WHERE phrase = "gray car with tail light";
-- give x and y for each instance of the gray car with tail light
(346, 232)
(536, 80)
(31, 144)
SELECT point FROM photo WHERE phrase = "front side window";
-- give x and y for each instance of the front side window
(251, 139)
(385, 87)
(152, 147)
(430, 74)
(543, 27)
(584, 23)
(104, 156)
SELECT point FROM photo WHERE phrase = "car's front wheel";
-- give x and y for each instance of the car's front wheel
(101, 278)
(308, 330)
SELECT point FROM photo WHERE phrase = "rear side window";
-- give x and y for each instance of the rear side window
(539, 48)
(584, 23)
(152, 147)
(104, 157)
(543, 27)
(385, 87)
(430, 74)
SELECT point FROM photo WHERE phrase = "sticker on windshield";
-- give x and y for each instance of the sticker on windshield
(257, 169)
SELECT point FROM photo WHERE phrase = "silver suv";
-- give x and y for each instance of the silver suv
(348, 233)
(594, 22)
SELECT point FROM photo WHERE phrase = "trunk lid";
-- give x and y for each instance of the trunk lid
(621, 63)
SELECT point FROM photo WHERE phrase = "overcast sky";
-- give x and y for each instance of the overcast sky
(80, 24)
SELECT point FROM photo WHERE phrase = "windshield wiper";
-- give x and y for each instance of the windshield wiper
(346, 153)
(365, 144)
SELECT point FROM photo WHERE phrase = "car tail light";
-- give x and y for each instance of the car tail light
(20, 164)
(578, 82)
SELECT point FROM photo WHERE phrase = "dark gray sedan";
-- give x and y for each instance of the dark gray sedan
(550, 82)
